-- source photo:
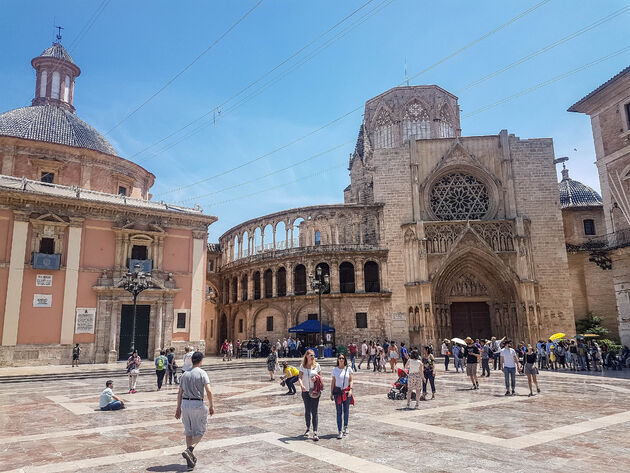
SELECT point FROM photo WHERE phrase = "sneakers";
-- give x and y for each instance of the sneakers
(340, 435)
(315, 436)
(345, 430)
(305, 434)
(507, 393)
(190, 458)
(513, 393)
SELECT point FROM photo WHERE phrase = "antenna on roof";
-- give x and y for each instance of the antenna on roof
(406, 78)
(59, 28)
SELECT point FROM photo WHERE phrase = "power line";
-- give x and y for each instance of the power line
(176, 76)
(459, 51)
(218, 109)
(545, 83)
(506, 99)
(544, 49)
(258, 178)
(481, 38)
(89, 24)
(321, 171)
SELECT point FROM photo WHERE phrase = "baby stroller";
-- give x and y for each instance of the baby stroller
(399, 388)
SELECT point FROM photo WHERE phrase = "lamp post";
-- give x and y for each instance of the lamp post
(135, 282)
(320, 283)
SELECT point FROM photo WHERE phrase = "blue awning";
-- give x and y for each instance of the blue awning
(311, 326)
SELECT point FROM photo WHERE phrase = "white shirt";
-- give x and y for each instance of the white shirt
(414, 366)
(364, 349)
(308, 374)
(444, 349)
(187, 365)
(508, 355)
(342, 376)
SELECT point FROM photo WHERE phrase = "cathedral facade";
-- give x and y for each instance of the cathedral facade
(439, 235)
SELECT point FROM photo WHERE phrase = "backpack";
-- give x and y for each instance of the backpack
(460, 354)
(159, 363)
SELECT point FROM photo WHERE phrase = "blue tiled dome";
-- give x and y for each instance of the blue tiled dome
(54, 125)
(57, 51)
(574, 194)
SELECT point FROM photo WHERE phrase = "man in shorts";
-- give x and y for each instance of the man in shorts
(190, 406)
(473, 355)
(76, 352)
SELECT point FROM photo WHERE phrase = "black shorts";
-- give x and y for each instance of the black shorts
(75, 357)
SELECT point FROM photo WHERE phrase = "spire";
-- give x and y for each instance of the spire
(56, 74)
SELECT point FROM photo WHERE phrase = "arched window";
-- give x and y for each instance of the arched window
(383, 130)
(43, 83)
(234, 289)
(257, 242)
(446, 129)
(226, 292)
(416, 123)
(66, 90)
(54, 91)
(325, 271)
(296, 242)
(281, 236)
(256, 285)
(235, 248)
(299, 280)
(281, 282)
(346, 277)
(370, 272)
(245, 245)
(268, 237)
(589, 226)
(318, 238)
(268, 284)
(244, 287)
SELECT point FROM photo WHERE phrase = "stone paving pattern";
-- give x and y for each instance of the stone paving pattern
(578, 421)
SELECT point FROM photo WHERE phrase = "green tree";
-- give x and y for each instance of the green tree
(591, 324)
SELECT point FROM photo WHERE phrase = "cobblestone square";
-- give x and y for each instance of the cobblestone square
(53, 425)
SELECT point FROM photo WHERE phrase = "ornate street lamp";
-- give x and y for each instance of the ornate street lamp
(135, 282)
(320, 283)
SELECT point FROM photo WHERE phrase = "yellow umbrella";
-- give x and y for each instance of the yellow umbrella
(557, 336)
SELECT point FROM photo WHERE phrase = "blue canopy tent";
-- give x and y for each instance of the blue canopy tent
(310, 330)
(311, 326)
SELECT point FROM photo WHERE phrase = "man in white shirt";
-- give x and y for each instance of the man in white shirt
(364, 354)
(509, 362)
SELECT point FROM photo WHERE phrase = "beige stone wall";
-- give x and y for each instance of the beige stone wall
(537, 198)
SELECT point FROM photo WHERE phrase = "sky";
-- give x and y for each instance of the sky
(310, 63)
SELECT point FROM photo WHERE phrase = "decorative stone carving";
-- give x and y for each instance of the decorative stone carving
(459, 196)
(468, 286)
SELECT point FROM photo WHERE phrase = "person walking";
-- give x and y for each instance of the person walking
(372, 357)
(108, 401)
(171, 366)
(486, 351)
(161, 362)
(187, 363)
(472, 355)
(230, 350)
(458, 358)
(495, 350)
(446, 353)
(290, 376)
(353, 351)
(393, 356)
(311, 384)
(191, 408)
(341, 393)
(415, 377)
(272, 360)
(76, 352)
(530, 369)
(509, 362)
(404, 354)
(224, 349)
(133, 369)
(364, 351)
(428, 371)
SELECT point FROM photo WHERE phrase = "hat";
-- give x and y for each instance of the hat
(446, 340)
(468, 340)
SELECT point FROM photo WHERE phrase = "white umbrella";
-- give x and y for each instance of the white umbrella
(458, 341)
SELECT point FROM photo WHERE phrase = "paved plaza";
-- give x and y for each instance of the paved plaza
(578, 421)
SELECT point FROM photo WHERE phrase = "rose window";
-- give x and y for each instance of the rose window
(459, 196)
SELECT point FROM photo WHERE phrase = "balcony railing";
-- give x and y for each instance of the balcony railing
(610, 241)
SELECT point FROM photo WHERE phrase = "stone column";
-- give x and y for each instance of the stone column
(72, 281)
(274, 286)
(239, 289)
(250, 286)
(290, 282)
(197, 296)
(359, 279)
(334, 277)
(16, 275)
(159, 323)
(113, 331)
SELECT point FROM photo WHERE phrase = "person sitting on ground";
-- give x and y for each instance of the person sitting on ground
(108, 401)
(290, 376)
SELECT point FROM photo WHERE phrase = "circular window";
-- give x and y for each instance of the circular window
(459, 196)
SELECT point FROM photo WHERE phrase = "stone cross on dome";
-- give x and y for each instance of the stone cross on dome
(59, 28)
(565, 171)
